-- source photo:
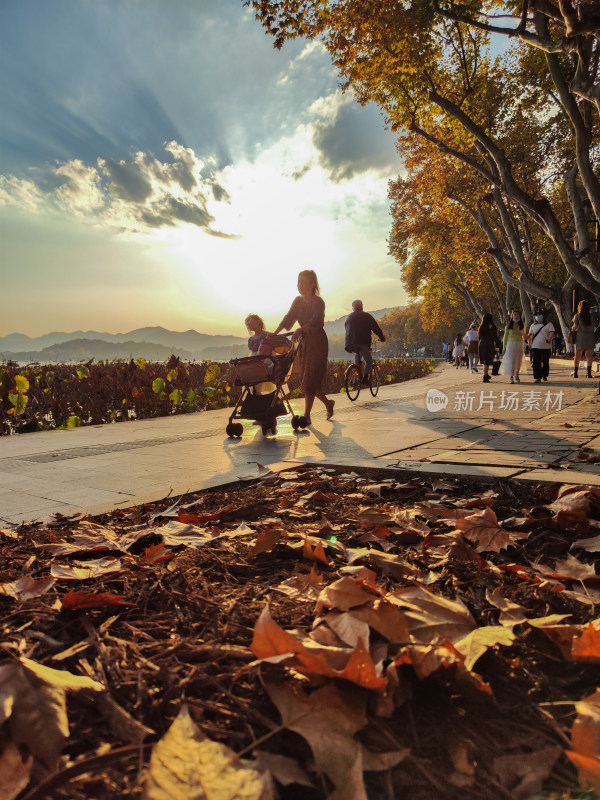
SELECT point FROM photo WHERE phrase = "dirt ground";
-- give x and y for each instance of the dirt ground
(348, 633)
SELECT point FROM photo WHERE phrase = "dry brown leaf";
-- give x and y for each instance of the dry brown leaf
(177, 533)
(477, 642)
(314, 554)
(570, 569)
(186, 765)
(32, 701)
(285, 770)
(483, 528)
(585, 733)
(270, 640)
(328, 723)
(589, 769)
(265, 541)
(592, 545)
(428, 658)
(305, 588)
(384, 618)
(371, 517)
(363, 574)
(586, 647)
(27, 587)
(523, 774)
(510, 613)
(463, 763)
(14, 771)
(348, 628)
(576, 520)
(561, 635)
(343, 594)
(432, 617)
(572, 498)
(83, 570)
(391, 564)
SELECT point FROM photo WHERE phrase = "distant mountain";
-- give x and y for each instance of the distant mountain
(152, 343)
(188, 340)
(86, 349)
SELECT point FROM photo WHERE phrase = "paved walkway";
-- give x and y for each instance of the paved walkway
(528, 431)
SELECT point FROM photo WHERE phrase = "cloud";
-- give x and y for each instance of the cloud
(350, 141)
(138, 195)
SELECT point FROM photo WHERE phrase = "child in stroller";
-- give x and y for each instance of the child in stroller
(263, 377)
(258, 332)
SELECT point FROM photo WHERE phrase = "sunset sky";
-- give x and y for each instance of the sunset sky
(162, 164)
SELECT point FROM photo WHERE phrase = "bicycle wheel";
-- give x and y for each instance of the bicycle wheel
(352, 382)
(374, 380)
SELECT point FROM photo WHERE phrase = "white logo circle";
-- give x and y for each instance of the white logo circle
(436, 400)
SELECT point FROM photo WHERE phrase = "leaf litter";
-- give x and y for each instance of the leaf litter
(314, 635)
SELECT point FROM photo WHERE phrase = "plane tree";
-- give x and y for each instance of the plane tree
(427, 64)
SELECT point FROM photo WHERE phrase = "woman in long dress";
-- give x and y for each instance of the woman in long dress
(308, 309)
(513, 347)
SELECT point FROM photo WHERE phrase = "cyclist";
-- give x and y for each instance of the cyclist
(359, 325)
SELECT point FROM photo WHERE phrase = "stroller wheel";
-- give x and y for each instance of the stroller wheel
(302, 421)
(296, 422)
(230, 430)
(269, 426)
(239, 429)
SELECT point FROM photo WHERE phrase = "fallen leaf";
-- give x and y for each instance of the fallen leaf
(586, 647)
(271, 640)
(177, 533)
(314, 554)
(483, 528)
(572, 498)
(348, 628)
(32, 701)
(510, 613)
(285, 770)
(343, 594)
(14, 771)
(26, 588)
(155, 554)
(585, 733)
(372, 517)
(589, 769)
(523, 774)
(265, 541)
(328, 723)
(570, 569)
(384, 618)
(79, 600)
(592, 545)
(477, 642)
(186, 765)
(432, 617)
(83, 570)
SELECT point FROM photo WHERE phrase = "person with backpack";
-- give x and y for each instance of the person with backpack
(541, 334)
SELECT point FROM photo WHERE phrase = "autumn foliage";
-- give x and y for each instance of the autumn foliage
(320, 631)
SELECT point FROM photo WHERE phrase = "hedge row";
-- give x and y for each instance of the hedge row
(46, 397)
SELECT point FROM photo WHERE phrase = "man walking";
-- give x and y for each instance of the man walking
(359, 325)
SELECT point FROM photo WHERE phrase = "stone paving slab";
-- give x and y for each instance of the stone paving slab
(98, 468)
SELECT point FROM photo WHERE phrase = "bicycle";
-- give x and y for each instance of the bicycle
(354, 381)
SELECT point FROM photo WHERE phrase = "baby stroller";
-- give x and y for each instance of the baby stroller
(262, 379)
